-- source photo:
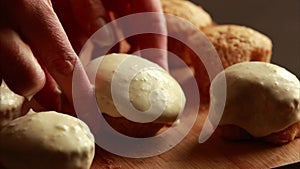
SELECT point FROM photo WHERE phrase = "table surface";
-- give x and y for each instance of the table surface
(214, 153)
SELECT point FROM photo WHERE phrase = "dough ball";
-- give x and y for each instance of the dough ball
(46, 140)
(262, 99)
(234, 44)
(10, 105)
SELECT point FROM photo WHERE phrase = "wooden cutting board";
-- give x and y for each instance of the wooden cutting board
(214, 153)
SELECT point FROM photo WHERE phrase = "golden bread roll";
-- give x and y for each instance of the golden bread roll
(234, 44)
(262, 101)
(186, 18)
(188, 11)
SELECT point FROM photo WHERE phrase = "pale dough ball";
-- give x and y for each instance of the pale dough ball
(234, 44)
(262, 98)
(46, 140)
(137, 82)
(136, 94)
(10, 105)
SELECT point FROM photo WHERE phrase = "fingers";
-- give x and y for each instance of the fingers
(49, 42)
(52, 98)
(90, 14)
(153, 48)
(146, 41)
(49, 96)
(75, 34)
(19, 68)
(145, 6)
(0, 78)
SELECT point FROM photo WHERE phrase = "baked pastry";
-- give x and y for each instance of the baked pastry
(183, 19)
(135, 96)
(10, 105)
(234, 44)
(262, 101)
(188, 11)
(46, 140)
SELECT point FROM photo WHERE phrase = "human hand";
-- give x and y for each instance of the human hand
(81, 18)
(36, 57)
(143, 41)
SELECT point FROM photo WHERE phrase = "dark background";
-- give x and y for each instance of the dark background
(278, 19)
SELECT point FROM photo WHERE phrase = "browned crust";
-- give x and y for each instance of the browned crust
(193, 18)
(285, 136)
(234, 44)
(133, 129)
(187, 10)
(233, 132)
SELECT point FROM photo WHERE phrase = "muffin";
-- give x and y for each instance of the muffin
(262, 101)
(234, 44)
(183, 19)
(135, 96)
(188, 11)
(46, 140)
(10, 105)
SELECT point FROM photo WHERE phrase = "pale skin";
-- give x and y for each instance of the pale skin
(40, 39)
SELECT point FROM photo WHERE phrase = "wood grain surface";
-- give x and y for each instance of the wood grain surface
(214, 153)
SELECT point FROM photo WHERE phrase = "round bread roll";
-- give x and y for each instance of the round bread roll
(234, 44)
(262, 101)
(136, 96)
(46, 140)
(10, 105)
(188, 11)
(186, 18)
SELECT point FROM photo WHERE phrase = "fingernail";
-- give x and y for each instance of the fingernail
(57, 90)
(98, 23)
(30, 94)
(29, 97)
(104, 35)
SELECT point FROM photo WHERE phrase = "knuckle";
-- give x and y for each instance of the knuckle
(63, 65)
